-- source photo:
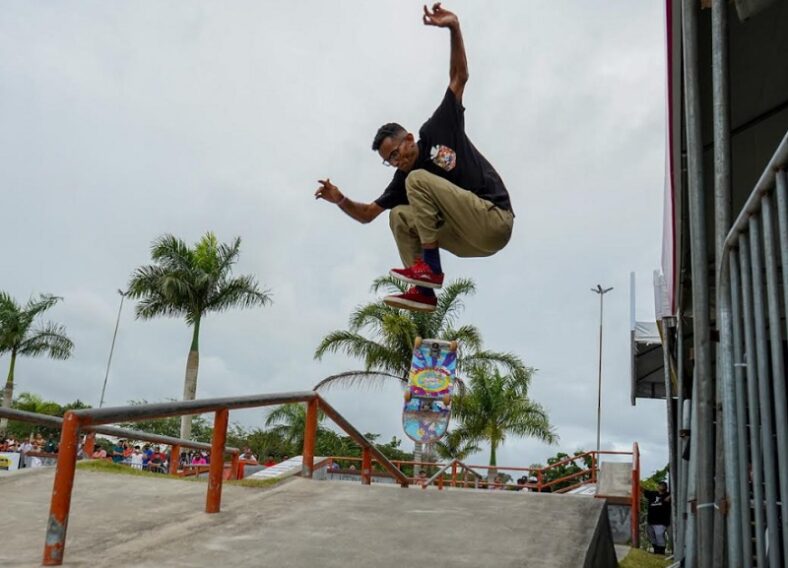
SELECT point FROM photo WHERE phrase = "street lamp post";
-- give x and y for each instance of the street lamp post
(601, 291)
(112, 347)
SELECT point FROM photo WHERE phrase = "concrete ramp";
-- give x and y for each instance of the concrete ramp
(135, 521)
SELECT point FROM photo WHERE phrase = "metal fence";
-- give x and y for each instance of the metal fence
(752, 295)
(176, 444)
(74, 421)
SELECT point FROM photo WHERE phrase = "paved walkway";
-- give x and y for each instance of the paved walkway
(138, 521)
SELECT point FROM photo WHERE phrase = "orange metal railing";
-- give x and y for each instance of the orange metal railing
(459, 471)
(74, 421)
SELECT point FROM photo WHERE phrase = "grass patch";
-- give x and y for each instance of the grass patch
(109, 467)
(102, 466)
(638, 558)
(256, 483)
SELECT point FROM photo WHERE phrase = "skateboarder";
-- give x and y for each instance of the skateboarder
(444, 194)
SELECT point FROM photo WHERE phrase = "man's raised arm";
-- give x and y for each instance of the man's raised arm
(458, 66)
(361, 212)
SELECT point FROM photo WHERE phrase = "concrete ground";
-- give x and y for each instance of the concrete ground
(119, 520)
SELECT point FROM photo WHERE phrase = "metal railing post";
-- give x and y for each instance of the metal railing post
(175, 459)
(90, 445)
(726, 427)
(740, 380)
(635, 501)
(705, 403)
(729, 423)
(781, 181)
(215, 474)
(754, 407)
(310, 437)
(366, 466)
(767, 433)
(236, 469)
(454, 473)
(778, 364)
(55, 543)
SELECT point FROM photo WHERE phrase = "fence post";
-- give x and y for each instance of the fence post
(175, 459)
(55, 543)
(366, 466)
(215, 474)
(310, 435)
(236, 469)
(90, 445)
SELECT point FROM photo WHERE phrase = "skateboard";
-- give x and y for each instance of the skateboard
(427, 409)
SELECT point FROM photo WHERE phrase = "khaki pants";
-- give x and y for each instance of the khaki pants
(439, 211)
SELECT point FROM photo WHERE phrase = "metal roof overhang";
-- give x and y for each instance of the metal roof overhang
(647, 362)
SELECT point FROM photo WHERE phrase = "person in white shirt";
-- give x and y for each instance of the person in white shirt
(136, 458)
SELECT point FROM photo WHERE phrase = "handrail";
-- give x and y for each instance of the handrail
(109, 414)
(772, 180)
(763, 186)
(75, 420)
(57, 422)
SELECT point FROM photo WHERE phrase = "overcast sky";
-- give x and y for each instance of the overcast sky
(124, 121)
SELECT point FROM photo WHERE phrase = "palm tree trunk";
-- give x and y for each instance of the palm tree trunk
(8, 393)
(190, 382)
(493, 471)
(418, 449)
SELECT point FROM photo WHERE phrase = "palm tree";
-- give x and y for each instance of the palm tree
(382, 337)
(456, 445)
(495, 406)
(289, 422)
(19, 337)
(190, 282)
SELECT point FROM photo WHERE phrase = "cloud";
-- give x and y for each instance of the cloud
(123, 122)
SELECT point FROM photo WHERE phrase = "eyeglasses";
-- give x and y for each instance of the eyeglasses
(393, 158)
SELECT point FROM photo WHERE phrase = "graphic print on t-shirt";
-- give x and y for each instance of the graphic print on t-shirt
(443, 157)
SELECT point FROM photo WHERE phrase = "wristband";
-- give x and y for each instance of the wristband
(341, 201)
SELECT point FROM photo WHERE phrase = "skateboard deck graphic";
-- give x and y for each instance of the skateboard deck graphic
(427, 409)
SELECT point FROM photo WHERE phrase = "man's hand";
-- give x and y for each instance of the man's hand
(439, 17)
(328, 191)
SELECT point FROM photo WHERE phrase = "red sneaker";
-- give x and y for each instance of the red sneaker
(412, 300)
(420, 274)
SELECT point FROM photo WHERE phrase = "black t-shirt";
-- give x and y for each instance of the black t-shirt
(445, 150)
(658, 508)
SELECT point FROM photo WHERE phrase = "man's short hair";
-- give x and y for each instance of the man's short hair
(385, 131)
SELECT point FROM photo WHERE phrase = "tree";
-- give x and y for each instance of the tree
(382, 338)
(30, 402)
(190, 282)
(289, 422)
(566, 469)
(495, 406)
(456, 446)
(20, 337)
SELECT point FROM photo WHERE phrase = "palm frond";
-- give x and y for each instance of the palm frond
(172, 254)
(450, 304)
(239, 292)
(228, 255)
(50, 339)
(40, 305)
(369, 379)
(369, 315)
(388, 284)
(357, 346)
(468, 336)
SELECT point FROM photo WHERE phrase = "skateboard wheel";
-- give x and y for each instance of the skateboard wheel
(417, 343)
(453, 345)
(408, 395)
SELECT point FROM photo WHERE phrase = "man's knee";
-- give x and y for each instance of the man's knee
(417, 179)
